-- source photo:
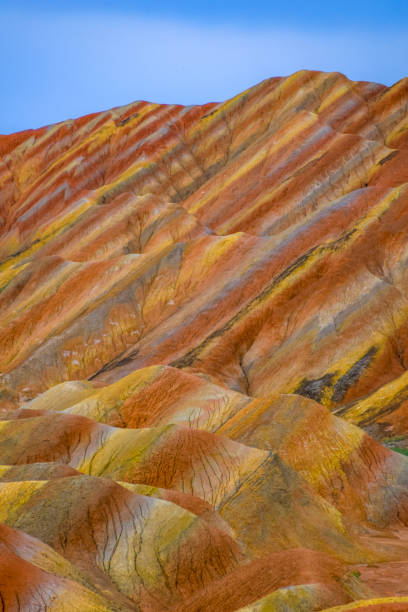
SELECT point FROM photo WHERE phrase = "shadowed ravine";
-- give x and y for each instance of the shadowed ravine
(204, 355)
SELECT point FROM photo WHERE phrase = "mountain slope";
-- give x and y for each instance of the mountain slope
(204, 332)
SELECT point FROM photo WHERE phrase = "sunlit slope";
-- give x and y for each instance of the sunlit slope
(204, 353)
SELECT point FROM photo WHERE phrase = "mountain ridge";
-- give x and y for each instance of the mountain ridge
(203, 321)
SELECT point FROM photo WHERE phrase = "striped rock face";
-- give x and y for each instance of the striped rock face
(204, 354)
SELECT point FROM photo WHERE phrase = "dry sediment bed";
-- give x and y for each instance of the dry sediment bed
(204, 354)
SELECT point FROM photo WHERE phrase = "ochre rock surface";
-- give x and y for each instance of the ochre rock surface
(204, 355)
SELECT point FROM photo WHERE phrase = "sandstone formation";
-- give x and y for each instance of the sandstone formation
(204, 364)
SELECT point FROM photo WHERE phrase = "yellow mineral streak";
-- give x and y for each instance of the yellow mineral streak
(260, 155)
(374, 403)
(383, 601)
(13, 495)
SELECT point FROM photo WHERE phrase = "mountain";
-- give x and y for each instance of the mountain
(204, 354)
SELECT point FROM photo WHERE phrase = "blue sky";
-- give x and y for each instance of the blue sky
(62, 59)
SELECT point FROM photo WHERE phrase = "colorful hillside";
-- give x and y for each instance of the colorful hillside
(204, 355)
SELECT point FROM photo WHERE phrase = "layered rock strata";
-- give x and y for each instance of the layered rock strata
(204, 354)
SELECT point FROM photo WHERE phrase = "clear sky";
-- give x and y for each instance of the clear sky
(64, 58)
